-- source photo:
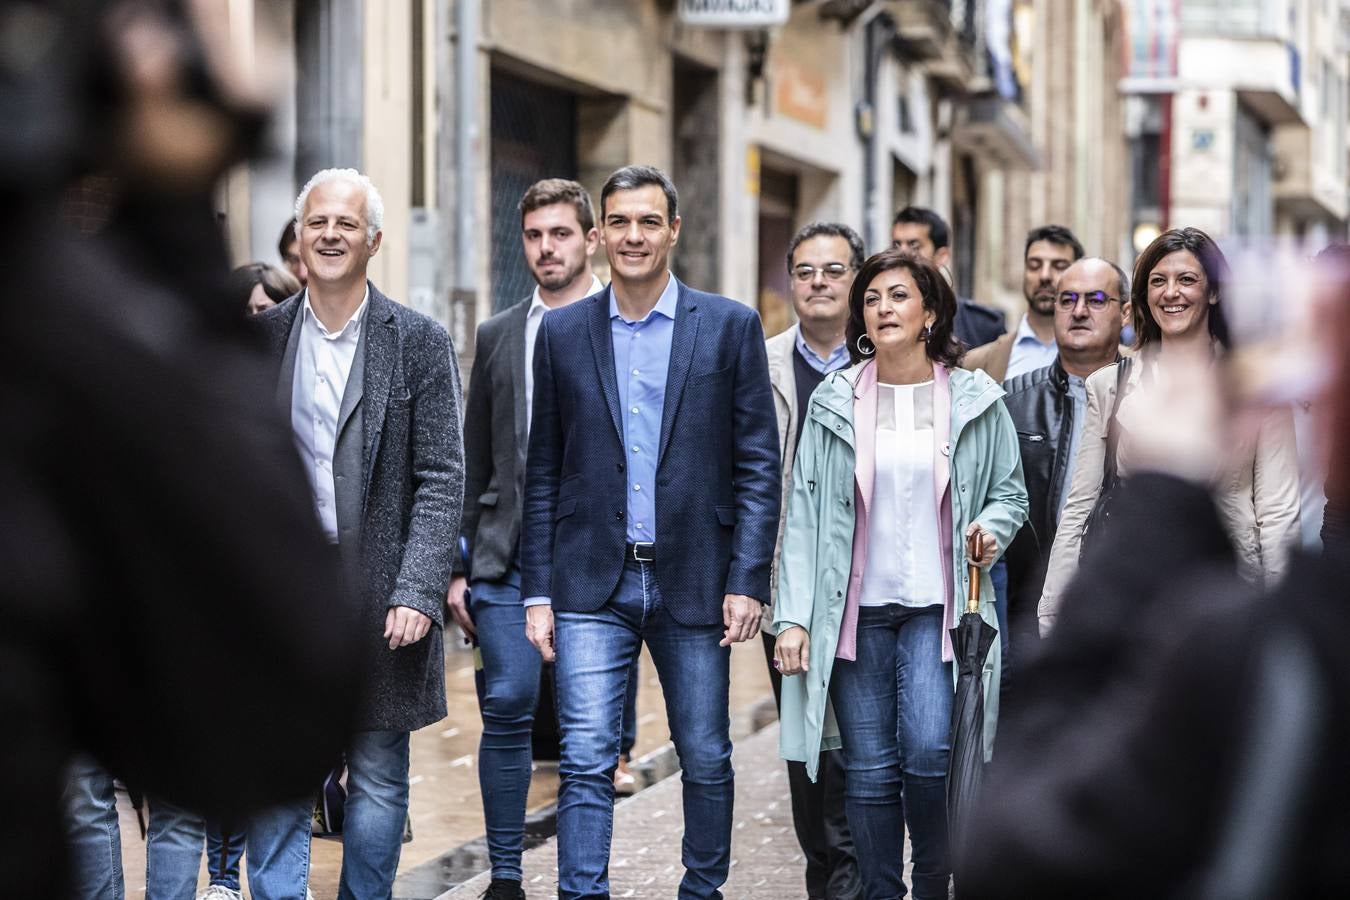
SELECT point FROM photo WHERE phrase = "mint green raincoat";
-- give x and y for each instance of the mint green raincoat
(985, 484)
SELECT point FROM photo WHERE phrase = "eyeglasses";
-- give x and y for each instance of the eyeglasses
(1095, 300)
(833, 271)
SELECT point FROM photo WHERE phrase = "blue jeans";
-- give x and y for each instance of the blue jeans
(894, 708)
(224, 851)
(173, 852)
(372, 831)
(507, 699)
(595, 656)
(93, 836)
(278, 852)
(628, 733)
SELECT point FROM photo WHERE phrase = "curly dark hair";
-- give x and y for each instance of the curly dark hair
(938, 298)
(1217, 273)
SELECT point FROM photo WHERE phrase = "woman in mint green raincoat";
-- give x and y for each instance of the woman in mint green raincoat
(902, 458)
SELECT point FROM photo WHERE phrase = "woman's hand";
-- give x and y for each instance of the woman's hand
(792, 651)
(981, 548)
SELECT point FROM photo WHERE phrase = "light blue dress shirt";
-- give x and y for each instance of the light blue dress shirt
(641, 361)
(1028, 353)
(838, 358)
(1078, 396)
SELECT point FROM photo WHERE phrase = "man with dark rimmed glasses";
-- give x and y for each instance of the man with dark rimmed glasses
(1048, 406)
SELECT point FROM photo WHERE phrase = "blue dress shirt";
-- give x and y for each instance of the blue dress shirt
(838, 358)
(641, 361)
(1028, 353)
(1078, 396)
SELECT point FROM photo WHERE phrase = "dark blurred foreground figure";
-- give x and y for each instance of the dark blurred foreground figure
(1183, 734)
(138, 466)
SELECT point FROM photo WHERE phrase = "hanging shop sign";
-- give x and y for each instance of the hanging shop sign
(734, 13)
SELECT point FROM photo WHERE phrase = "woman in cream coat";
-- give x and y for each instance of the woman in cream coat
(1176, 299)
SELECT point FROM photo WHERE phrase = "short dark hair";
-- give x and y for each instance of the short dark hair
(1055, 234)
(938, 232)
(631, 178)
(287, 238)
(1217, 273)
(938, 298)
(278, 284)
(559, 190)
(829, 229)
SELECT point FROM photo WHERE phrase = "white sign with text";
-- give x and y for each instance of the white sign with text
(734, 13)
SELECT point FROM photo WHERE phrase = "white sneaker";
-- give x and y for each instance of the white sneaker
(219, 892)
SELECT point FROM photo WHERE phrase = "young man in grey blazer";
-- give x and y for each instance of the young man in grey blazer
(372, 391)
(559, 238)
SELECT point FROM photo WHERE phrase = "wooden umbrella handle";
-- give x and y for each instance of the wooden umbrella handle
(974, 550)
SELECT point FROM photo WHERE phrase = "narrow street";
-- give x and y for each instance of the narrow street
(446, 808)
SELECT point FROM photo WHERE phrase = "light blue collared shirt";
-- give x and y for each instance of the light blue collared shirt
(641, 360)
(838, 358)
(1028, 353)
(1078, 396)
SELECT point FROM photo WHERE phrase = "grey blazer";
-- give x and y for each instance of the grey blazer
(398, 471)
(495, 445)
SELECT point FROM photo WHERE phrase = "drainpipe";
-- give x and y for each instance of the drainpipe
(877, 35)
(466, 142)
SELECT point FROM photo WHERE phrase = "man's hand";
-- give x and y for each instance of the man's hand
(539, 629)
(404, 625)
(741, 615)
(459, 609)
(792, 651)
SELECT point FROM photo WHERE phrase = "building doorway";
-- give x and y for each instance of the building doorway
(534, 136)
(779, 194)
(696, 171)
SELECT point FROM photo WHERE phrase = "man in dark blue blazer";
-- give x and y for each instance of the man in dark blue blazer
(651, 510)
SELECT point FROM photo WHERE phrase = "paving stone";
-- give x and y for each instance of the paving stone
(766, 863)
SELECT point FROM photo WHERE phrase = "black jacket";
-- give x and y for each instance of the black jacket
(1039, 404)
(1181, 733)
(976, 325)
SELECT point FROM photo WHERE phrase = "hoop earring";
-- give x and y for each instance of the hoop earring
(927, 333)
(869, 349)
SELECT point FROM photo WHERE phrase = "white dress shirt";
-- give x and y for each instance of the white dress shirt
(904, 559)
(532, 319)
(1028, 353)
(323, 363)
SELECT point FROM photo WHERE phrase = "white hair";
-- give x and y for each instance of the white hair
(374, 202)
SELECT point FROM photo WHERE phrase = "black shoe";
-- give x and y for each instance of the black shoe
(502, 889)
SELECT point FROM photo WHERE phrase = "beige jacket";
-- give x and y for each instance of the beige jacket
(780, 348)
(1258, 501)
(993, 357)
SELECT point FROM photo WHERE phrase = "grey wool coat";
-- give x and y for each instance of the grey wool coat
(399, 483)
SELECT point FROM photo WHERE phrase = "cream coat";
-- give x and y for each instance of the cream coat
(1259, 500)
(783, 378)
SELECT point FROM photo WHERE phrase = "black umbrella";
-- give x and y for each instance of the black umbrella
(971, 639)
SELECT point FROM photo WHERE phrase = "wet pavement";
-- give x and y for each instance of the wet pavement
(446, 806)
(766, 863)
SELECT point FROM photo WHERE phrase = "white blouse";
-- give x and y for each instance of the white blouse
(904, 558)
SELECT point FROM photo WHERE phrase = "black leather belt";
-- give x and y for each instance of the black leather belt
(641, 552)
